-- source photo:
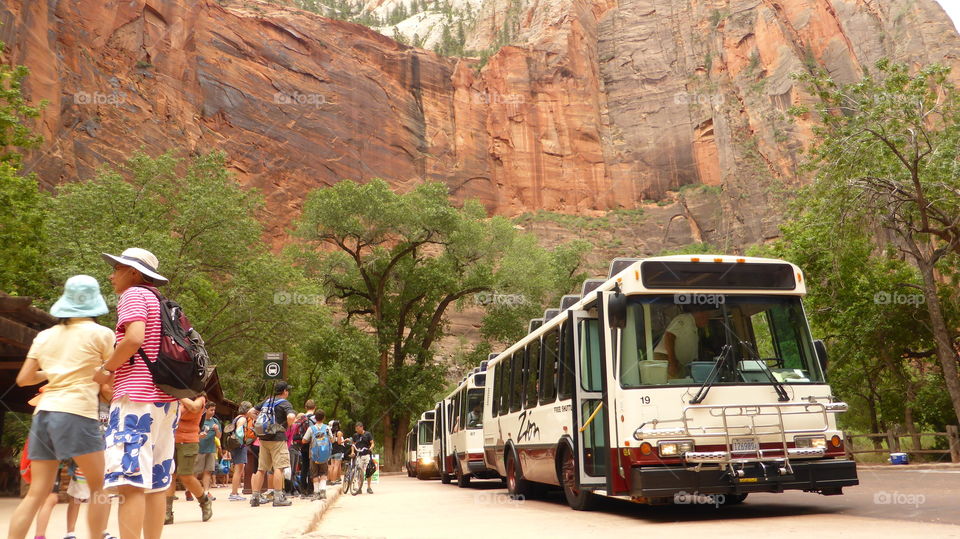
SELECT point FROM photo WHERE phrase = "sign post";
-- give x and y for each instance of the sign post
(274, 366)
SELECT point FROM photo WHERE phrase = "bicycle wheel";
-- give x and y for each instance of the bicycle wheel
(358, 477)
(345, 480)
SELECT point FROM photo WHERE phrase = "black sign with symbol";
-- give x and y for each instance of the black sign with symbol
(273, 366)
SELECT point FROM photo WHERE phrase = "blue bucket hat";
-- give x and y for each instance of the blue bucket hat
(81, 299)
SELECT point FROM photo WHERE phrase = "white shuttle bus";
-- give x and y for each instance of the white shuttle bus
(421, 462)
(678, 378)
(461, 442)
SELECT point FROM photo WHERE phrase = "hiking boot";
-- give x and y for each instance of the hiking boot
(280, 500)
(189, 496)
(168, 519)
(255, 500)
(369, 490)
(206, 507)
(322, 495)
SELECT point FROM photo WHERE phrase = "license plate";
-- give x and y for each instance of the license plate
(744, 444)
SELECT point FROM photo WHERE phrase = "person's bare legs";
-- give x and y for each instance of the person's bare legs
(44, 473)
(205, 480)
(73, 511)
(256, 481)
(155, 508)
(131, 513)
(238, 470)
(43, 516)
(191, 483)
(277, 481)
(99, 511)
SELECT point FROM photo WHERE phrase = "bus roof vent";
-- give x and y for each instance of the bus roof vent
(483, 365)
(534, 324)
(428, 416)
(590, 285)
(475, 370)
(493, 355)
(568, 301)
(619, 264)
(549, 314)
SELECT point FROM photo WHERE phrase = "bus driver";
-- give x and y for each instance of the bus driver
(680, 344)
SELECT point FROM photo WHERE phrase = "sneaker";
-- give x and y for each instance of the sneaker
(236, 498)
(322, 495)
(206, 508)
(189, 496)
(280, 500)
(255, 500)
(331, 483)
(211, 496)
(108, 535)
(369, 490)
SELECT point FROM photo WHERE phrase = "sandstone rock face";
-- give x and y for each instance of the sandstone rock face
(599, 104)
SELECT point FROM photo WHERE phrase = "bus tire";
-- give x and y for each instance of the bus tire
(517, 487)
(577, 499)
(733, 499)
(463, 481)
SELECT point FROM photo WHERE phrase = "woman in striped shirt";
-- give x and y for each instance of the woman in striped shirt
(140, 432)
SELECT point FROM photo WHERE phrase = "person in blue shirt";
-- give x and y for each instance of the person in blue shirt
(207, 457)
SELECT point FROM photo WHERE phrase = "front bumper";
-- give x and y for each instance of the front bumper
(827, 476)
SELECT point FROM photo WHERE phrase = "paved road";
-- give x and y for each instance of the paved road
(888, 503)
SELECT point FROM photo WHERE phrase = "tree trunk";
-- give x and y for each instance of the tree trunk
(941, 335)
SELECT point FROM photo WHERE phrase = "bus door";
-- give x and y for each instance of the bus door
(590, 416)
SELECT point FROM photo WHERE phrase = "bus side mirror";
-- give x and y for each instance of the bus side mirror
(617, 309)
(821, 354)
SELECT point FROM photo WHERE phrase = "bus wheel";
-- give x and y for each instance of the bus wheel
(463, 481)
(733, 499)
(518, 488)
(577, 499)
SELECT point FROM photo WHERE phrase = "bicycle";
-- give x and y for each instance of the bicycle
(359, 473)
(347, 475)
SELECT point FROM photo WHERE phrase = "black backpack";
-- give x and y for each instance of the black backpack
(229, 440)
(183, 367)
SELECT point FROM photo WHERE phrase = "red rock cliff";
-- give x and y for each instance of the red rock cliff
(600, 104)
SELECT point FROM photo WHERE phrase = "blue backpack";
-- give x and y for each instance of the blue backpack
(266, 423)
(320, 448)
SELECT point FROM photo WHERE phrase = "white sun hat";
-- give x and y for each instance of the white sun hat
(141, 260)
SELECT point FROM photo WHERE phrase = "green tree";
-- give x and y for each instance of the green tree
(887, 159)
(21, 200)
(202, 226)
(398, 263)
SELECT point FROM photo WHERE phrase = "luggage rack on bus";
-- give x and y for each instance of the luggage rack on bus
(742, 442)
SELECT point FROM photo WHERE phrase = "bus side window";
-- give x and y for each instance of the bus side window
(495, 401)
(516, 383)
(533, 370)
(436, 417)
(505, 385)
(548, 372)
(462, 420)
(566, 361)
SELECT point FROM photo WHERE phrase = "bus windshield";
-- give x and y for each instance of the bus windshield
(426, 432)
(677, 339)
(475, 408)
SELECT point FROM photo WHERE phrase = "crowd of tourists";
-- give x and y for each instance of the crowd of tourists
(101, 417)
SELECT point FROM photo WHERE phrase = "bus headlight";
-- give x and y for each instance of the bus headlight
(674, 448)
(426, 460)
(816, 442)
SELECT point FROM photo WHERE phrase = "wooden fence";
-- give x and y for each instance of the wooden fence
(894, 445)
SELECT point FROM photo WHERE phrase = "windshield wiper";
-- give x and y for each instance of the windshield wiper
(725, 352)
(777, 385)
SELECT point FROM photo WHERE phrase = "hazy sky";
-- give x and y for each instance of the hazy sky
(953, 9)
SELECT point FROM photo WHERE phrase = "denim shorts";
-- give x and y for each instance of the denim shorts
(239, 455)
(337, 456)
(62, 435)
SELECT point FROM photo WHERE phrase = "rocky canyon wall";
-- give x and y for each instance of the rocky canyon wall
(597, 104)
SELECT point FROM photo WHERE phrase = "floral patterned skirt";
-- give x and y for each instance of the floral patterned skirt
(140, 444)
